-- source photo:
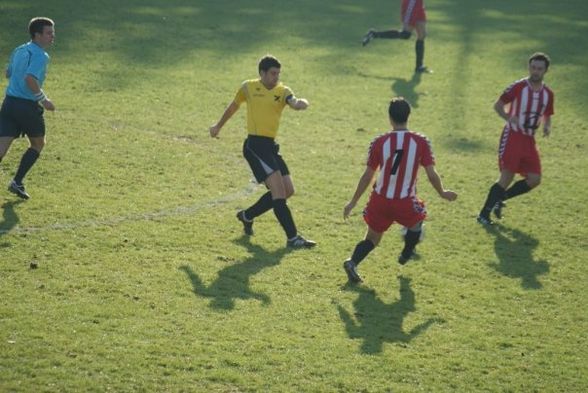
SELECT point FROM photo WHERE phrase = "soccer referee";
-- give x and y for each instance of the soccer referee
(266, 98)
(22, 110)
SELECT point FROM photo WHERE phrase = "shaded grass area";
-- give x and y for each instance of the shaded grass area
(145, 282)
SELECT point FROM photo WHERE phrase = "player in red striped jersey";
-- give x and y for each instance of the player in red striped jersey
(523, 105)
(414, 17)
(397, 155)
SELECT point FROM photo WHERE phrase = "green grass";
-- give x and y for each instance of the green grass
(145, 282)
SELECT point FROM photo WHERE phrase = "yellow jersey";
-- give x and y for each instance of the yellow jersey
(264, 107)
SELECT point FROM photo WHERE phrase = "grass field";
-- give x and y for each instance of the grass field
(145, 282)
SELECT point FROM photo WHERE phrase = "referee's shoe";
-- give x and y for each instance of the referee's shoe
(18, 189)
(299, 242)
(247, 224)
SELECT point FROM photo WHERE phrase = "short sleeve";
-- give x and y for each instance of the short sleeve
(509, 94)
(427, 156)
(38, 65)
(374, 157)
(241, 95)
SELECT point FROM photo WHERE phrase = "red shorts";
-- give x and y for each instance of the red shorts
(412, 11)
(518, 153)
(382, 212)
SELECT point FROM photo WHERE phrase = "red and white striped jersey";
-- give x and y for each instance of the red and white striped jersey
(528, 105)
(398, 155)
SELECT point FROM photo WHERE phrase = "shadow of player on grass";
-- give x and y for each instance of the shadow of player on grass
(233, 281)
(514, 250)
(9, 218)
(407, 88)
(377, 322)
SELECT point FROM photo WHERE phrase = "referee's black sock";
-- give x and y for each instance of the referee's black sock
(284, 216)
(419, 48)
(26, 163)
(263, 204)
(519, 188)
(362, 249)
(495, 194)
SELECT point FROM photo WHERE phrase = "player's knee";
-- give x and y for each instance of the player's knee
(533, 182)
(417, 227)
(38, 144)
(289, 192)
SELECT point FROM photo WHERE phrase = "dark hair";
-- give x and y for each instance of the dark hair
(37, 24)
(267, 62)
(399, 110)
(541, 57)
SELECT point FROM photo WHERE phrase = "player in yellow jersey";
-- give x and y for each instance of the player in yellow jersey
(266, 98)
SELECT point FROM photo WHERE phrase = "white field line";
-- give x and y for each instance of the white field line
(172, 212)
(177, 211)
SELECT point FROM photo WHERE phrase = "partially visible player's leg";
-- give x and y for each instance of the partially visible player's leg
(9, 129)
(29, 158)
(362, 249)
(386, 34)
(282, 212)
(531, 167)
(263, 204)
(421, 30)
(411, 239)
(495, 195)
(5, 142)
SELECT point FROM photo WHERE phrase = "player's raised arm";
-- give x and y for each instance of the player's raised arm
(228, 113)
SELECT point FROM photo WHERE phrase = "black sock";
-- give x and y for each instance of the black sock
(419, 48)
(520, 187)
(26, 163)
(387, 34)
(263, 204)
(362, 249)
(411, 239)
(495, 194)
(284, 216)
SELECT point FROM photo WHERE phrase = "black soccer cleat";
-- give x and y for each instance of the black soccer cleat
(300, 242)
(18, 189)
(403, 258)
(247, 224)
(351, 271)
(497, 210)
(486, 221)
(368, 37)
(423, 70)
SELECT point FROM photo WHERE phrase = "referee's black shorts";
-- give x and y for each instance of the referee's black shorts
(263, 156)
(19, 117)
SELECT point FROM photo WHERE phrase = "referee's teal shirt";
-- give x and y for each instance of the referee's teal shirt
(27, 59)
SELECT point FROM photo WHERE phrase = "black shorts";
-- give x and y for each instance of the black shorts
(263, 156)
(20, 117)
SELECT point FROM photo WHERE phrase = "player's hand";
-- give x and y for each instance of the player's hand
(214, 130)
(48, 105)
(449, 195)
(513, 120)
(347, 209)
(302, 104)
